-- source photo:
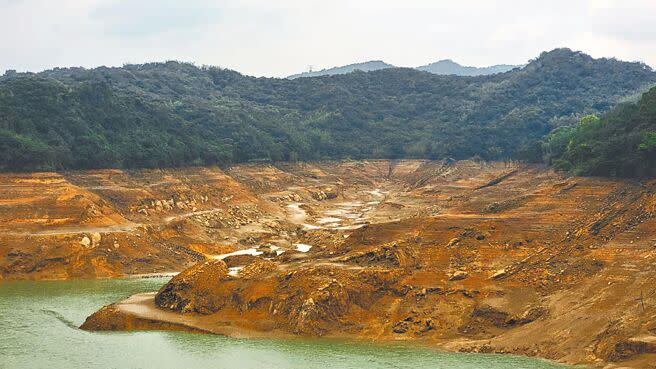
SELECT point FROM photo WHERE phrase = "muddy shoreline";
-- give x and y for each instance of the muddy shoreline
(139, 312)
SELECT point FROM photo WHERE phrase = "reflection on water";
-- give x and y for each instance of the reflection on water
(38, 320)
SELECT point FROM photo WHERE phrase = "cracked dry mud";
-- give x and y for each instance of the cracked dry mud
(467, 256)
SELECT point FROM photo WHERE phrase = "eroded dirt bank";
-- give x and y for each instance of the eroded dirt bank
(491, 257)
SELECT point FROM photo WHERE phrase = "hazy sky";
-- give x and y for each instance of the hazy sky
(278, 38)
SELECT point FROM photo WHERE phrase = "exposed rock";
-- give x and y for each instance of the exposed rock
(418, 326)
(501, 273)
(427, 326)
(388, 255)
(198, 289)
(257, 268)
(491, 315)
(324, 304)
(85, 242)
(240, 260)
(401, 327)
(95, 239)
(631, 347)
(528, 316)
(458, 275)
(453, 242)
(502, 319)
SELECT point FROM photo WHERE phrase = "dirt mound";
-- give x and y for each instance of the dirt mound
(257, 268)
(239, 260)
(310, 300)
(198, 289)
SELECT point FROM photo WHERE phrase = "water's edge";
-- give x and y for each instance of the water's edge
(41, 318)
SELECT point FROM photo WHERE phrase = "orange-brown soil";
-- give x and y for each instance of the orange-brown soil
(467, 256)
(112, 223)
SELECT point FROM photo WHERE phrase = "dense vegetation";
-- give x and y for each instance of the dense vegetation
(175, 114)
(622, 143)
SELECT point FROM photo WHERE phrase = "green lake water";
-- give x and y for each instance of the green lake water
(38, 323)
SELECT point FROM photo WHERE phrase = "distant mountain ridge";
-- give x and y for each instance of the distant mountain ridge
(442, 67)
(448, 66)
(365, 67)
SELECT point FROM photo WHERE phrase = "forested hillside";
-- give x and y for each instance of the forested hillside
(621, 143)
(176, 114)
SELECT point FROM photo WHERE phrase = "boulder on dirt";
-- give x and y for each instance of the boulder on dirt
(418, 326)
(503, 319)
(626, 349)
(95, 239)
(458, 275)
(501, 273)
(324, 194)
(85, 242)
(491, 315)
(528, 316)
(239, 260)
(453, 242)
(401, 327)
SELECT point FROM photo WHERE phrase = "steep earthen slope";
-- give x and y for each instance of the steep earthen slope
(113, 223)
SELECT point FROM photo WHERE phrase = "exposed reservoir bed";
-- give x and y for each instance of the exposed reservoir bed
(38, 321)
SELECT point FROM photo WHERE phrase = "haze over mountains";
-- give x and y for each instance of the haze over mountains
(448, 66)
(365, 67)
(442, 67)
